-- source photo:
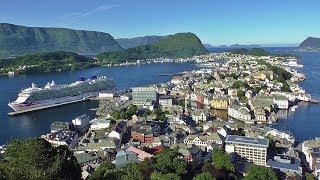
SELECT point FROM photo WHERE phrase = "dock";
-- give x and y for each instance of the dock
(14, 113)
(181, 73)
(314, 101)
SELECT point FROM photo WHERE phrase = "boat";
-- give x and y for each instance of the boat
(52, 94)
(293, 108)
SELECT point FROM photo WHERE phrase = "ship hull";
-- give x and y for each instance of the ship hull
(50, 102)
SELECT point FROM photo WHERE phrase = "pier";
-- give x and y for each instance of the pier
(14, 113)
(181, 73)
(315, 101)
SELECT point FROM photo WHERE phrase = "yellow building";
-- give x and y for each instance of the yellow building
(263, 75)
(220, 103)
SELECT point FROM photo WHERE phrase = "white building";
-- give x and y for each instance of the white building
(247, 149)
(106, 95)
(165, 101)
(81, 123)
(98, 124)
(311, 150)
(62, 138)
(239, 112)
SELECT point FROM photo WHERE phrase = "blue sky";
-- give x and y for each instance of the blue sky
(214, 21)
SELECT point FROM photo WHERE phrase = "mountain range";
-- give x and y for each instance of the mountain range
(138, 41)
(311, 43)
(179, 45)
(18, 40)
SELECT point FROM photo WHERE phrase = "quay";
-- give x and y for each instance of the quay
(181, 73)
(314, 101)
(14, 113)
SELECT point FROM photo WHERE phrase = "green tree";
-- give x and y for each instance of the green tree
(169, 176)
(204, 176)
(221, 160)
(132, 171)
(168, 162)
(107, 170)
(36, 159)
(260, 173)
(309, 176)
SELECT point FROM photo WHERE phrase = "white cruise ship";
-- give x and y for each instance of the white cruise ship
(52, 94)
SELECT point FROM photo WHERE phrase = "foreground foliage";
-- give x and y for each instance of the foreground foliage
(37, 159)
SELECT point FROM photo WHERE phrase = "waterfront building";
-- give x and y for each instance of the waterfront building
(61, 126)
(99, 124)
(141, 94)
(239, 112)
(81, 123)
(62, 138)
(247, 149)
(220, 103)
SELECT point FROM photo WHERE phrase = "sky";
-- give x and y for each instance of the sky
(218, 22)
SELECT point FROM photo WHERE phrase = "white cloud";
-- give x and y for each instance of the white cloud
(71, 18)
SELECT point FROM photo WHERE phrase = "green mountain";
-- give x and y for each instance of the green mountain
(46, 62)
(173, 46)
(137, 41)
(258, 52)
(310, 43)
(18, 40)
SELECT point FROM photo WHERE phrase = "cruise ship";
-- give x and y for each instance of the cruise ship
(53, 95)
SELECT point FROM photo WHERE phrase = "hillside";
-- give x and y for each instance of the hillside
(173, 46)
(137, 41)
(310, 43)
(258, 52)
(20, 40)
(46, 62)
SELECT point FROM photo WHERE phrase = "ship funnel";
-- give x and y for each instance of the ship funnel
(52, 83)
(82, 78)
(94, 77)
(33, 85)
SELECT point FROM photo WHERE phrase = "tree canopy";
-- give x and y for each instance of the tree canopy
(260, 173)
(36, 159)
(204, 176)
(221, 160)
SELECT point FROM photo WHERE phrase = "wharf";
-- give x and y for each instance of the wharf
(14, 113)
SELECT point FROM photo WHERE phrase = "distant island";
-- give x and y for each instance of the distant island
(310, 44)
(127, 43)
(16, 40)
(258, 52)
(46, 62)
(180, 45)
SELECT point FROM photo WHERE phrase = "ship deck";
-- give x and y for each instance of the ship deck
(14, 113)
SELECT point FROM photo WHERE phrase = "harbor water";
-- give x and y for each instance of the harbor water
(303, 123)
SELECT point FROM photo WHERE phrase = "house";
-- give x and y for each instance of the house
(61, 126)
(81, 123)
(99, 124)
(260, 114)
(87, 158)
(118, 130)
(145, 131)
(220, 103)
(102, 144)
(240, 113)
(286, 164)
(311, 150)
(125, 157)
(199, 116)
(191, 154)
(140, 153)
(165, 101)
(203, 141)
(62, 138)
